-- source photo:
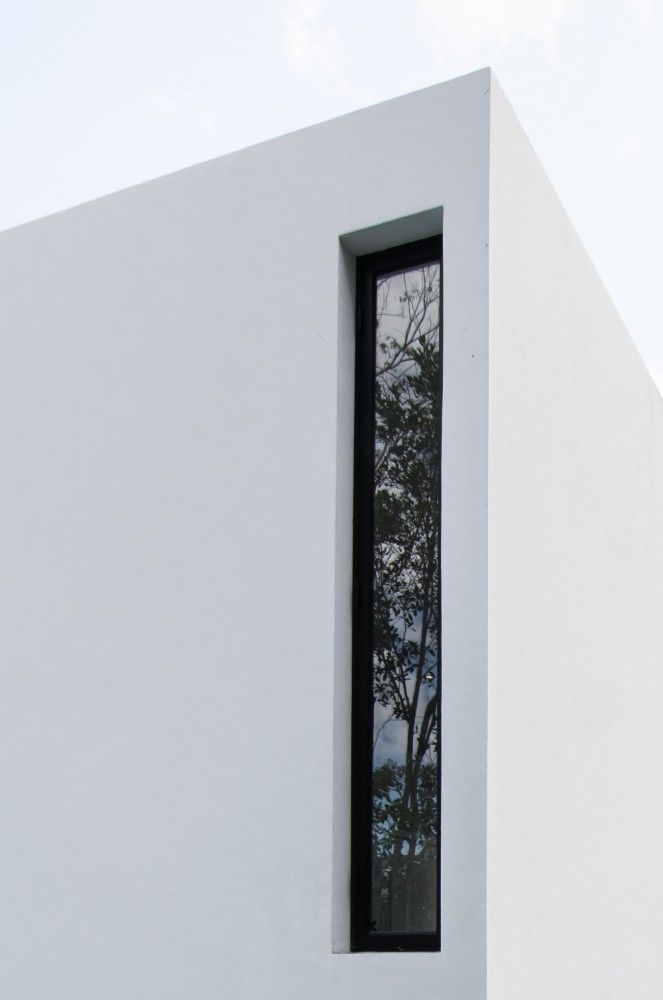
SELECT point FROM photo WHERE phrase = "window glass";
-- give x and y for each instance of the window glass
(396, 772)
(406, 601)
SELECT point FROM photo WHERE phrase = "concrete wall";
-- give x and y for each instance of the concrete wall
(575, 797)
(175, 586)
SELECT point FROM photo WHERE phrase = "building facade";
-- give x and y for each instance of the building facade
(178, 440)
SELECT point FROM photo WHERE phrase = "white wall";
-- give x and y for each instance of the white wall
(174, 776)
(575, 796)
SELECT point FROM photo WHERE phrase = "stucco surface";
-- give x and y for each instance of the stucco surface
(175, 432)
(575, 798)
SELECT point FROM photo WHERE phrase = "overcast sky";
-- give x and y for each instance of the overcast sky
(98, 96)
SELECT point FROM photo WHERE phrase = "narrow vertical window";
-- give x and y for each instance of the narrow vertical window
(396, 619)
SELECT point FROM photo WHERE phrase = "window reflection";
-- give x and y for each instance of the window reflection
(406, 602)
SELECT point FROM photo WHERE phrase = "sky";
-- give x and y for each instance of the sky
(99, 96)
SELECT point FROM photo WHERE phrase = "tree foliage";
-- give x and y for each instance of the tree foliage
(406, 597)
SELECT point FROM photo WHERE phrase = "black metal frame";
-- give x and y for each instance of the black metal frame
(369, 268)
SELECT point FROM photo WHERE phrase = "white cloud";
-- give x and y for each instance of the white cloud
(632, 147)
(471, 30)
(310, 40)
(184, 111)
(645, 8)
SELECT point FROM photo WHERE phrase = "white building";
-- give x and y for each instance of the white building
(177, 438)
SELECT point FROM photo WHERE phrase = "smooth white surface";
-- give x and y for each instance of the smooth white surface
(575, 797)
(176, 438)
(175, 570)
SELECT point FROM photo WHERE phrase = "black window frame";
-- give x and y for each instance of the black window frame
(369, 269)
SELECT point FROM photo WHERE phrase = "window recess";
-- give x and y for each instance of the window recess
(395, 837)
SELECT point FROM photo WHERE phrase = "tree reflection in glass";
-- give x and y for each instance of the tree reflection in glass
(406, 622)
